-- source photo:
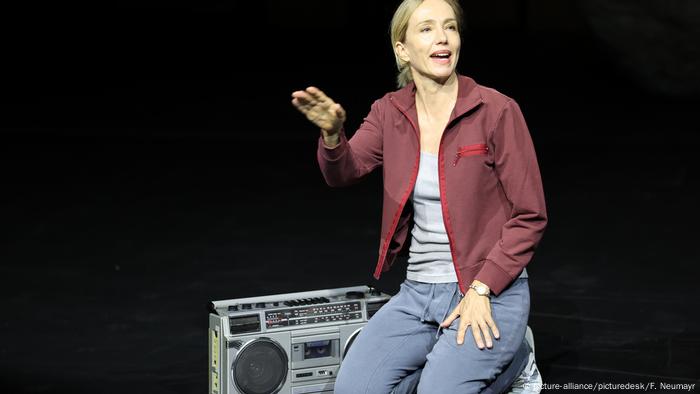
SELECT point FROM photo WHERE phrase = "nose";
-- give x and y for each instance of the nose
(441, 36)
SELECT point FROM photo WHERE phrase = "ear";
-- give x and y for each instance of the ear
(401, 51)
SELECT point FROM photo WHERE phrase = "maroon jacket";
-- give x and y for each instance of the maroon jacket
(490, 186)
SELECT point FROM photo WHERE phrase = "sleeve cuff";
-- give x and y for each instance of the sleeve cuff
(336, 152)
(493, 276)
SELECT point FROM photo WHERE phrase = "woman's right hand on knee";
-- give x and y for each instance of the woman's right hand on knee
(321, 110)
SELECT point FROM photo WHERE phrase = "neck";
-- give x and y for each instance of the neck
(432, 94)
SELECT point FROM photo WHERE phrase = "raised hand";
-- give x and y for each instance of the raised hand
(319, 109)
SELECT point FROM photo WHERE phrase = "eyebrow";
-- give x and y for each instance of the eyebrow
(433, 20)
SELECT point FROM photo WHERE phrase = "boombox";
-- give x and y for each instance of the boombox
(288, 343)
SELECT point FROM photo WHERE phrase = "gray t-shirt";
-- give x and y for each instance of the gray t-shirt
(429, 257)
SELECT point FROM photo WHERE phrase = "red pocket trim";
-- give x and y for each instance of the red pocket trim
(470, 150)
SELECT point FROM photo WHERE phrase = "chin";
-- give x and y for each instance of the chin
(443, 76)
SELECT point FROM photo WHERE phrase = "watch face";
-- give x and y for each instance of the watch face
(480, 290)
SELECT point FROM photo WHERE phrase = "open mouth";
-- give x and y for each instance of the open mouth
(442, 57)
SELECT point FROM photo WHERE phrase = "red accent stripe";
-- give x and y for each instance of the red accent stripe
(404, 199)
(470, 150)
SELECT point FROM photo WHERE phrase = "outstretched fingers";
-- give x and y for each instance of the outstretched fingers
(319, 108)
(301, 98)
(318, 94)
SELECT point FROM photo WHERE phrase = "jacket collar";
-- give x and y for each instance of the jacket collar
(468, 98)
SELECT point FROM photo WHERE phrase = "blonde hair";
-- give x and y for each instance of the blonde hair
(399, 26)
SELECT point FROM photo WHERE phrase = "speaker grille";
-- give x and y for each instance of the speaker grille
(260, 367)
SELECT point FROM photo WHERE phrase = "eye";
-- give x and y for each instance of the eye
(452, 27)
(425, 29)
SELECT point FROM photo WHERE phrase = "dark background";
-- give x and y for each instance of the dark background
(152, 162)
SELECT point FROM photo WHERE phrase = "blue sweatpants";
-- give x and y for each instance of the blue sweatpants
(404, 336)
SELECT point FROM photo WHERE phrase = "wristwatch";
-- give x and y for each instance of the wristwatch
(481, 289)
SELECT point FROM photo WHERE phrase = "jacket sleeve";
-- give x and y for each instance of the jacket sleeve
(516, 166)
(350, 160)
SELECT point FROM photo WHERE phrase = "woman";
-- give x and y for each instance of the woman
(462, 154)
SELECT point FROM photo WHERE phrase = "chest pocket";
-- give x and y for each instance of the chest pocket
(470, 150)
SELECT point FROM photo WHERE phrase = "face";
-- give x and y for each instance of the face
(432, 41)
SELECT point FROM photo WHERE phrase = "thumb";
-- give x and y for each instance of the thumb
(340, 112)
(448, 321)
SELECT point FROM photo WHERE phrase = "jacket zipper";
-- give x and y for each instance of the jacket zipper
(390, 234)
(481, 148)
